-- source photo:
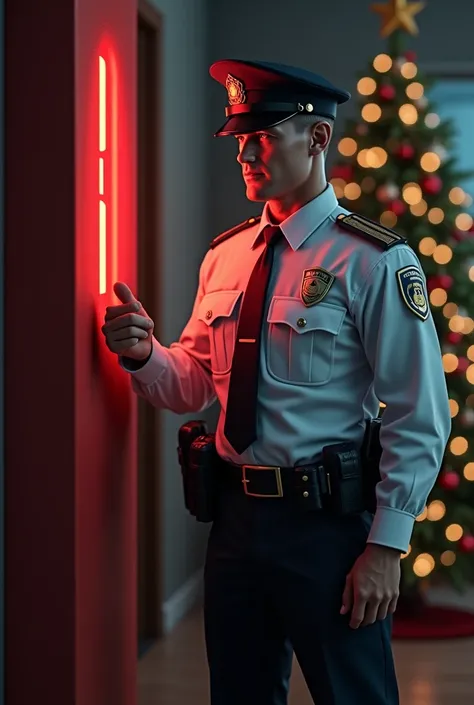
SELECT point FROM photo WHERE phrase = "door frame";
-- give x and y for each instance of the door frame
(2, 356)
(150, 551)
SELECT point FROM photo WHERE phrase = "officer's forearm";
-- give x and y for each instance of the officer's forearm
(173, 379)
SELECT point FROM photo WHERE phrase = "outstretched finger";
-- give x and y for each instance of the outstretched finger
(123, 293)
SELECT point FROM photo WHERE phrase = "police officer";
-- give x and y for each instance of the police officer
(304, 319)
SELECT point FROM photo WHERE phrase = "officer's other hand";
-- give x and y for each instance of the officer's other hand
(372, 586)
(128, 329)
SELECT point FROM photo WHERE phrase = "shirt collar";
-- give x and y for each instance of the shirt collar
(300, 225)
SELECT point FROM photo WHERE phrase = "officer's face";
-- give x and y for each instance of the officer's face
(276, 162)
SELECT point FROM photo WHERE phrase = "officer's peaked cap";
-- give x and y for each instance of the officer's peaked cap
(263, 94)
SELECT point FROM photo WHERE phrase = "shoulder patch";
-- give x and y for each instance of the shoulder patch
(412, 289)
(370, 230)
(233, 231)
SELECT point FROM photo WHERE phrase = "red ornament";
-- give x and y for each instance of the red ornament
(405, 151)
(466, 543)
(458, 235)
(410, 55)
(342, 171)
(463, 364)
(387, 92)
(449, 480)
(433, 283)
(398, 207)
(431, 184)
(445, 281)
(454, 338)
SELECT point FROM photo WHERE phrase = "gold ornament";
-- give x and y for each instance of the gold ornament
(398, 14)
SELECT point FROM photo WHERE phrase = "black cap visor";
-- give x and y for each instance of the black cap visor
(251, 122)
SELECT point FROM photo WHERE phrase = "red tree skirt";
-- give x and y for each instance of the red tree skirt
(432, 622)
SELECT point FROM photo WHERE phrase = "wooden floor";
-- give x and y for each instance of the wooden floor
(174, 671)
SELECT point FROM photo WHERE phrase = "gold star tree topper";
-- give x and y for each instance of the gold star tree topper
(398, 14)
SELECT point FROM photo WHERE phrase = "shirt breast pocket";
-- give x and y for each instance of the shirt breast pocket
(302, 340)
(219, 311)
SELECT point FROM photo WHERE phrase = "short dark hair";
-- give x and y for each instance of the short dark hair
(302, 123)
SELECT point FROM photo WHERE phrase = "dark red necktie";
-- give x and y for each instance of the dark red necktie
(240, 426)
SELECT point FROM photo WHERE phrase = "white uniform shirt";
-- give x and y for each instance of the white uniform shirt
(323, 368)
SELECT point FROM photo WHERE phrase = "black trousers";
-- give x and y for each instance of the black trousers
(274, 579)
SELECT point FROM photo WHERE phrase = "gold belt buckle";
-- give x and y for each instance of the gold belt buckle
(246, 481)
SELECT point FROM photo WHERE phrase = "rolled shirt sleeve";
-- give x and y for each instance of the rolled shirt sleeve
(402, 347)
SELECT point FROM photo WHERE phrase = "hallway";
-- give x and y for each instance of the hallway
(174, 671)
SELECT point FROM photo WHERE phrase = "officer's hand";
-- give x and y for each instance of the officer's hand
(128, 329)
(372, 586)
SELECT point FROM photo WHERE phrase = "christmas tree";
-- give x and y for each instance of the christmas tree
(394, 166)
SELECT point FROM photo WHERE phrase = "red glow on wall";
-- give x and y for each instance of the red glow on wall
(107, 118)
(103, 164)
(110, 220)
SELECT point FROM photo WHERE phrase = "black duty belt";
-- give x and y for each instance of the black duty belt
(309, 484)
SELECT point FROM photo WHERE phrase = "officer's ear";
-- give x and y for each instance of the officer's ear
(321, 133)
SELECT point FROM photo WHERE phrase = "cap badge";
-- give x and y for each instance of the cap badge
(315, 285)
(235, 90)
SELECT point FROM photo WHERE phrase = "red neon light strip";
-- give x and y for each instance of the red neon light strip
(102, 148)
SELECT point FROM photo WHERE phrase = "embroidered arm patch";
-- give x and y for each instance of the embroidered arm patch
(412, 289)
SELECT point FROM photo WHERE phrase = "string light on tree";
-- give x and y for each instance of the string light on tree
(366, 86)
(440, 151)
(371, 112)
(408, 114)
(435, 216)
(409, 70)
(414, 90)
(382, 63)
(432, 120)
(421, 103)
(457, 195)
(467, 417)
(430, 161)
(347, 146)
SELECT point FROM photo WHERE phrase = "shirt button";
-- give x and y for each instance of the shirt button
(208, 314)
(301, 322)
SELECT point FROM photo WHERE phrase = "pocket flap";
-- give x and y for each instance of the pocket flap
(217, 304)
(322, 316)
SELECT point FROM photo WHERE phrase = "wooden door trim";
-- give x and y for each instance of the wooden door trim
(150, 14)
(149, 281)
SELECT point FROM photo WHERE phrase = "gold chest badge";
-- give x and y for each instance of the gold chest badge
(315, 285)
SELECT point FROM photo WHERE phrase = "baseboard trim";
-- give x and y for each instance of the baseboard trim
(446, 596)
(181, 602)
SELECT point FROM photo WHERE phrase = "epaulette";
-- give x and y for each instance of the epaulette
(233, 231)
(382, 236)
